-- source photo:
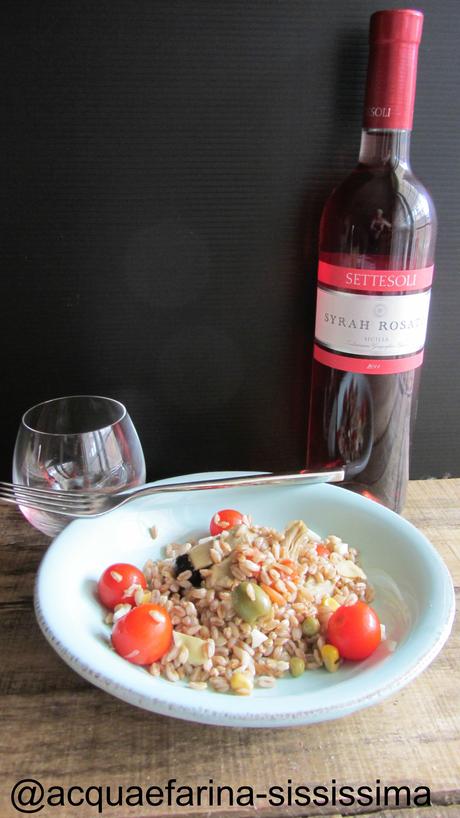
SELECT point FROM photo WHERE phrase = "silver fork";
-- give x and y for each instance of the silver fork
(95, 503)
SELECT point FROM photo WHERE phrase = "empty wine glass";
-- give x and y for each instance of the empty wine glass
(81, 442)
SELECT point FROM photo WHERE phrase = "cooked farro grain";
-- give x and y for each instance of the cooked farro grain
(266, 681)
(120, 611)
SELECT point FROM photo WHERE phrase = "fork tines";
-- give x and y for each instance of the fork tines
(58, 501)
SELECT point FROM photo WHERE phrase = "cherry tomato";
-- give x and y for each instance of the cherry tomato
(354, 630)
(224, 520)
(144, 635)
(322, 550)
(116, 580)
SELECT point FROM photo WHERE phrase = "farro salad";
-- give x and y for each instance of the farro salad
(243, 606)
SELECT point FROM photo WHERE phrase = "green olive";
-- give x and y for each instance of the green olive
(296, 666)
(250, 601)
(310, 626)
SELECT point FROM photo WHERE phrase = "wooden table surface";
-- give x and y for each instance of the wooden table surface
(61, 731)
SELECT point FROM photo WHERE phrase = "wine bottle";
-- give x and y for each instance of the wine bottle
(376, 253)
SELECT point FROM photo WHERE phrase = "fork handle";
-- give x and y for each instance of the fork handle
(327, 476)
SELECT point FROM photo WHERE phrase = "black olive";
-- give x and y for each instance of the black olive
(183, 564)
(196, 578)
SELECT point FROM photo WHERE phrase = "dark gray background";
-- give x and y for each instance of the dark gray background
(164, 168)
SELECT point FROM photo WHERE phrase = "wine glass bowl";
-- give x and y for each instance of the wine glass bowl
(76, 443)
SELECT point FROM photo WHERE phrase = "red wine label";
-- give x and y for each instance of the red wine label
(371, 321)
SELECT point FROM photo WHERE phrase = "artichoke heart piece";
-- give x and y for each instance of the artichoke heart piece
(195, 646)
(221, 571)
(349, 570)
(319, 590)
(296, 535)
(200, 554)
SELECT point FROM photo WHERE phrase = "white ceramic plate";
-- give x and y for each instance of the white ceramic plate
(414, 598)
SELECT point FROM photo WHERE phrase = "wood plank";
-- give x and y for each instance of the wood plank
(434, 507)
(452, 811)
(66, 732)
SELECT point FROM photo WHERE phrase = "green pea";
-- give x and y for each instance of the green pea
(250, 601)
(310, 626)
(296, 666)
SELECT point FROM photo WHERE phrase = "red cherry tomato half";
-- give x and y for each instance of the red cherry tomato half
(144, 635)
(224, 520)
(116, 580)
(354, 630)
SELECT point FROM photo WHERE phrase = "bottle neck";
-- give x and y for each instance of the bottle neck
(385, 147)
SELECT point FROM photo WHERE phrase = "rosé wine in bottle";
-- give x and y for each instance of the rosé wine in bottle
(376, 253)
